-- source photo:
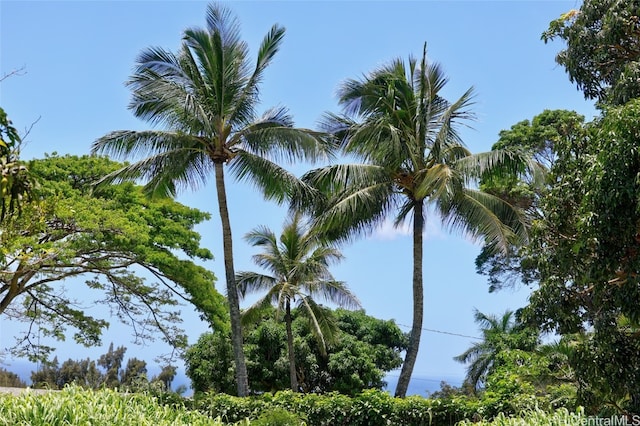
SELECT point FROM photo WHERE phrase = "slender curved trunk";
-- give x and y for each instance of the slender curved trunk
(292, 355)
(242, 380)
(418, 303)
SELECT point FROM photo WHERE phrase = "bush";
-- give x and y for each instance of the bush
(77, 406)
(278, 417)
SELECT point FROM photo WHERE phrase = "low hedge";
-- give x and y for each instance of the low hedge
(370, 408)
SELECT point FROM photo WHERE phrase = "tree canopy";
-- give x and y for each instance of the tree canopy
(206, 97)
(396, 121)
(298, 276)
(137, 253)
(602, 55)
(365, 349)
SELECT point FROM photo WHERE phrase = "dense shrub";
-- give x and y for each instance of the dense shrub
(77, 406)
(370, 408)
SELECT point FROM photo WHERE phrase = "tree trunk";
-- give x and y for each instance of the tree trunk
(418, 303)
(292, 355)
(242, 380)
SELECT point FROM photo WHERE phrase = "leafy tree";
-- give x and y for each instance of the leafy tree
(111, 363)
(206, 96)
(498, 334)
(84, 373)
(542, 136)
(209, 364)
(298, 263)
(585, 252)
(603, 52)
(166, 376)
(48, 375)
(135, 374)
(397, 121)
(106, 372)
(10, 379)
(16, 184)
(365, 349)
(116, 240)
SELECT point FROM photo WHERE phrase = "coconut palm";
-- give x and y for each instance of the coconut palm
(298, 265)
(498, 333)
(396, 121)
(205, 97)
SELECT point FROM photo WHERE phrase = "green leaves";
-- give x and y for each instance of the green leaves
(602, 50)
(137, 251)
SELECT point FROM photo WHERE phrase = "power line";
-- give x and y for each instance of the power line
(443, 332)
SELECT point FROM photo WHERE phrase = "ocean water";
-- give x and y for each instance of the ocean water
(421, 385)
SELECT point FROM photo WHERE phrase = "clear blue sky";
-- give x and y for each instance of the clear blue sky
(78, 54)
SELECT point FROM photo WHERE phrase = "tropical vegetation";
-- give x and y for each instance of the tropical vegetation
(571, 233)
(205, 97)
(397, 121)
(131, 253)
(298, 265)
(364, 351)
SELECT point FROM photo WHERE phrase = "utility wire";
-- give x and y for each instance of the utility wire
(443, 332)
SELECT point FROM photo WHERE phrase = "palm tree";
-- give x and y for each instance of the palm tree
(299, 275)
(396, 121)
(496, 333)
(205, 96)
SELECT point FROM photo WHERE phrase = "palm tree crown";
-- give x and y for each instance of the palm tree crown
(298, 274)
(481, 355)
(397, 122)
(205, 98)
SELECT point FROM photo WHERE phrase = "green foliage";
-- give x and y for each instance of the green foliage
(77, 406)
(298, 276)
(370, 408)
(364, 350)
(546, 134)
(9, 137)
(278, 417)
(535, 417)
(499, 334)
(602, 55)
(121, 243)
(209, 364)
(16, 183)
(583, 251)
(106, 373)
(396, 121)
(10, 379)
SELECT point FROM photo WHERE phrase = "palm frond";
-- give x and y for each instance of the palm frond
(172, 160)
(253, 282)
(255, 313)
(275, 182)
(321, 321)
(355, 211)
(222, 21)
(483, 215)
(249, 94)
(333, 291)
(499, 162)
(273, 136)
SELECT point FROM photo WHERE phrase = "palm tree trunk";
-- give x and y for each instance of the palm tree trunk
(292, 355)
(242, 380)
(418, 303)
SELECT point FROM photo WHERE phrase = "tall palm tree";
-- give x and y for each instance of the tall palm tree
(205, 96)
(298, 264)
(396, 121)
